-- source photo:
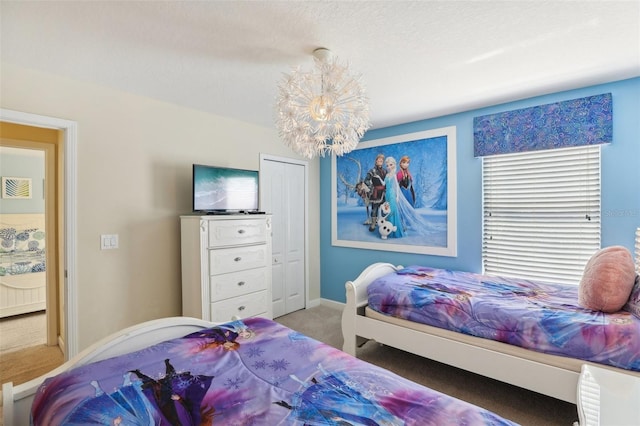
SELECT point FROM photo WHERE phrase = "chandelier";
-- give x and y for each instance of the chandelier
(322, 111)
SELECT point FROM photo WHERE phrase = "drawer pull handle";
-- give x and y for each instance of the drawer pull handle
(241, 283)
(241, 308)
(241, 231)
(238, 259)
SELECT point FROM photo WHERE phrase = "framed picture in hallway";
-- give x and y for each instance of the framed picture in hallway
(397, 194)
(16, 188)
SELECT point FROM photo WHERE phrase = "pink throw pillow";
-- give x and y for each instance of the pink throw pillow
(607, 280)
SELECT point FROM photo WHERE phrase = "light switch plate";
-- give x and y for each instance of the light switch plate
(108, 241)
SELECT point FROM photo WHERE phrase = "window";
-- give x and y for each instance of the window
(637, 250)
(541, 213)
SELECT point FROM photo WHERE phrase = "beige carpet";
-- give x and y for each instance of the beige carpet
(22, 331)
(23, 353)
(516, 404)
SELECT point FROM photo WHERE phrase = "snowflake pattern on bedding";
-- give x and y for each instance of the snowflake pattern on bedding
(254, 371)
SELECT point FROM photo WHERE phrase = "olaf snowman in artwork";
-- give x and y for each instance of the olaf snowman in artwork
(384, 226)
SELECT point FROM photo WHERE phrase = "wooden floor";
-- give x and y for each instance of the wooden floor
(24, 354)
(26, 364)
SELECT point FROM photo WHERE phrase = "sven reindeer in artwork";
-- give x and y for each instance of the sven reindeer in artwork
(360, 188)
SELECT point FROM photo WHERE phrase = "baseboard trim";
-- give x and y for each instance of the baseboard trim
(325, 302)
(332, 304)
(313, 303)
(62, 347)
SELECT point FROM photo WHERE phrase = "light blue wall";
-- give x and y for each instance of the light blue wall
(620, 188)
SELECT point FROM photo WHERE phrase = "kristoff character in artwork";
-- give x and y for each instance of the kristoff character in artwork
(375, 181)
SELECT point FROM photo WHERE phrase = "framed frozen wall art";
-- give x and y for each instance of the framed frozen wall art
(397, 194)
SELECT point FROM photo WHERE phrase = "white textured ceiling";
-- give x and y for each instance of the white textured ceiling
(418, 59)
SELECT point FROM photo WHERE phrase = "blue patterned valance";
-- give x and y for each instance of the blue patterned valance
(584, 121)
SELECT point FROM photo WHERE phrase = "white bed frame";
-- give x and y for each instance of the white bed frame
(23, 293)
(546, 374)
(17, 400)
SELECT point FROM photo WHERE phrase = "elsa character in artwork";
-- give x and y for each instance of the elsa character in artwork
(392, 190)
(403, 215)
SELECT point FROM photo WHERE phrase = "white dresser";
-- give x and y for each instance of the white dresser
(226, 266)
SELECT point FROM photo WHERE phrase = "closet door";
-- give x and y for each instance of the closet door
(282, 187)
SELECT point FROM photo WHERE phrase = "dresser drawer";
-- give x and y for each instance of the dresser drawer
(243, 306)
(238, 283)
(223, 261)
(237, 232)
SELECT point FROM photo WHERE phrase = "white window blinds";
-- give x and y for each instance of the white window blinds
(541, 213)
(637, 250)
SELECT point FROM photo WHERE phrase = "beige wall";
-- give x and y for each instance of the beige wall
(134, 179)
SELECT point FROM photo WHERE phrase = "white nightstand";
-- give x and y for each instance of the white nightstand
(608, 398)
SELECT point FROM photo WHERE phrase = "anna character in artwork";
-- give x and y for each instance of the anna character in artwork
(405, 180)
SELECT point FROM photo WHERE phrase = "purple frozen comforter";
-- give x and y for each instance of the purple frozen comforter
(539, 316)
(251, 372)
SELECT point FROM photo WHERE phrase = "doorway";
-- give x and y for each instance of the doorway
(65, 217)
(30, 258)
(283, 193)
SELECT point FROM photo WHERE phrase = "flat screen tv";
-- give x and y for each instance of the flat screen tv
(224, 190)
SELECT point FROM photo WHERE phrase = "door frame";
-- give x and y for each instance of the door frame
(305, 164)
(70, 140)
(51, 175)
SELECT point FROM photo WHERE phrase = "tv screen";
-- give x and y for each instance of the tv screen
(221, 189)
